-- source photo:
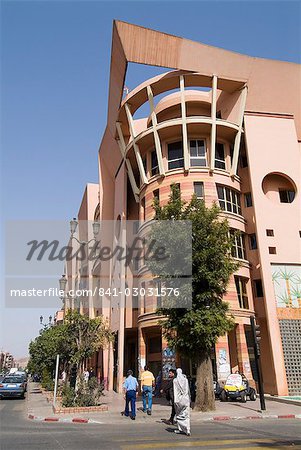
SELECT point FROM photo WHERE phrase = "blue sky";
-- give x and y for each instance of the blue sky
(55, 60)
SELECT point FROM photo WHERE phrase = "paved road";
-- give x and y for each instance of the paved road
(17, 432)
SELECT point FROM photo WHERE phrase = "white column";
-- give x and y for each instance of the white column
(134, 186)
(242, 99)
(135, 146)
(121, 141)
(213, 120)
(184, 124)
(122, 146)
(155, 131)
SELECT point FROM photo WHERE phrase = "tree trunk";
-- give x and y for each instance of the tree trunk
(205, 400)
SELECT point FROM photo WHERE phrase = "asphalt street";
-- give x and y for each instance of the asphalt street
(18, 432)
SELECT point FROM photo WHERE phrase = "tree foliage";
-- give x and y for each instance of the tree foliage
(74, 340)
(44, 348)
(194, 331)
(86, 335)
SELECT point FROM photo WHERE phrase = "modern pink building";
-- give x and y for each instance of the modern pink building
(227, 127)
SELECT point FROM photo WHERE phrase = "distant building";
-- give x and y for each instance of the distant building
(227, 127)
(6, 361)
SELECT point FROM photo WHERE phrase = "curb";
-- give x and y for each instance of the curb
(80, 420)
(62, 419)
(271, 416)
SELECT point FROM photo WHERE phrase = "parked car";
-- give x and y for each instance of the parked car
(23, 376)
(237, 388)
(12, 386)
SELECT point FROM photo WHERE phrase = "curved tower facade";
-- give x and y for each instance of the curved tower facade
(193, 137)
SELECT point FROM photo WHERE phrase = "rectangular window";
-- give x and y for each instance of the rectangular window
(229, 199)
(198, 187)
(238, 248)
(175, 155)
(258, 288)
(197, 153)
(272, 251)
(154, 163)
(176, 185)
(248, 200)
(156, 194)
(241, 290)
(221, 197)
(252, 241)
(220, 156)
(286, 196)
(270, 232)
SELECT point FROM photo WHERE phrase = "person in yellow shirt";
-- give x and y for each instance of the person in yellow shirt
(147, 383)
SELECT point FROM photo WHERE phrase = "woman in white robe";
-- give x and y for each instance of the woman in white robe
(182, 402)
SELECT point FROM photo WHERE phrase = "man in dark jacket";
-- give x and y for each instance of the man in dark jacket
(168, 390)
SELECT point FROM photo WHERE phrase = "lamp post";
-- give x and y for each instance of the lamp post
(84, 245)
(63, 297)
(73, 228)
(46, 324)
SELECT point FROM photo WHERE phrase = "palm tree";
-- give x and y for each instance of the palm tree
(275, 277)
(287, 276)
(284, 299)
(296, 291)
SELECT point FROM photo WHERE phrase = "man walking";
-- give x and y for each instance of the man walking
(182, 403)
(169, 392)
(147, 383)
(130, 387)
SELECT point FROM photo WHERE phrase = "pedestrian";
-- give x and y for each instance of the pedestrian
(182, 403)
(130, 388)
(147, 383)
(86, 375)
(91, 373)
(169, 392)
(158, 384)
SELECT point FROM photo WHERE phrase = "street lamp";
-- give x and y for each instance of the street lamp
(84, 245)
(73, 228)
(45, 324)
(63, 282)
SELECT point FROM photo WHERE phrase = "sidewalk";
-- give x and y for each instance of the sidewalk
(40, 409)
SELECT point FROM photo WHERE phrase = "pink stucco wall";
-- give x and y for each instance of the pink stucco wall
(273, 148)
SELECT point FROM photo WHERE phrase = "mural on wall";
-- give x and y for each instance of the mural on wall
(287, 285)
(168, 361)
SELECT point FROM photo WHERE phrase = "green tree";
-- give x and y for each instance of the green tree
(86, 336)
(44, 348)
(194, 331)
(74, 340)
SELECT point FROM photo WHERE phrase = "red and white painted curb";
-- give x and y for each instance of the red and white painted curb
(266, 416)
(62, 419)
(208, 419)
